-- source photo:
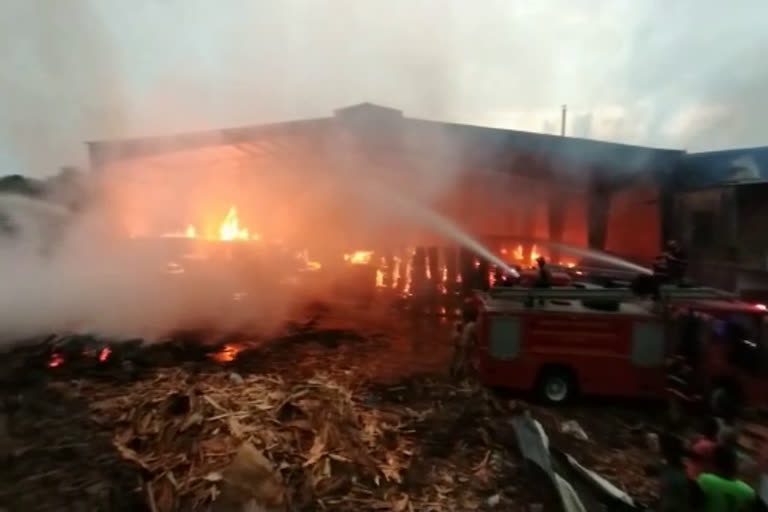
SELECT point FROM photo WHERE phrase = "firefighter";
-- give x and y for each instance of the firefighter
(676, 262)
(544, 279)
(463, 341)
(661, 269)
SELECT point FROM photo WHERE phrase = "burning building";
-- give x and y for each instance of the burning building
(287, 181)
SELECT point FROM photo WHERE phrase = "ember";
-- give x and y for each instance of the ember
(104, 354)
(227, 354)
(55, 361)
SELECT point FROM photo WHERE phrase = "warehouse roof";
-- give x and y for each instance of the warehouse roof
(728, 167)
(483, 145)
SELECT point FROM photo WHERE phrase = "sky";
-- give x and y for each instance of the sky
(681, 74)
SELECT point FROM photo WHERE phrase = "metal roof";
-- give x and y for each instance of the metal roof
(720, 168)
(491, 145)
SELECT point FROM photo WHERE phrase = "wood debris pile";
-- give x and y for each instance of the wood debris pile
(229, 443)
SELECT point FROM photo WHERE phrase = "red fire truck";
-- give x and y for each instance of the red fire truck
(602, 341)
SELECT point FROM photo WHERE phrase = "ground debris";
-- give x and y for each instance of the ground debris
(267, 432)
(59, 460)
(325, 442)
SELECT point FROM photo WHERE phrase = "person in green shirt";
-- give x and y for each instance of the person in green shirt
(722, 490)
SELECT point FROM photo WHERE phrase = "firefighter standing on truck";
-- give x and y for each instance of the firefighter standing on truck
(669, 267)
(676, 262)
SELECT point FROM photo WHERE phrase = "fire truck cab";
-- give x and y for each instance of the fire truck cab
(600, 341)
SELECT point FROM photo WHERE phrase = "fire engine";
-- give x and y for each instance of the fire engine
(587, 339)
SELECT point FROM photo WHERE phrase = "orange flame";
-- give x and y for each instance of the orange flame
(230, 229)
(359, 257)
(104, 354)
(56, 361)
(534, 254)
(227, 354)
(518, 254)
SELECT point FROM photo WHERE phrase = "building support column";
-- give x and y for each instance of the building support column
(669, 214)
(556, 207)
(597, 215)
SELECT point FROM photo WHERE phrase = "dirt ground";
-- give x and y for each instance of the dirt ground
(354, 412)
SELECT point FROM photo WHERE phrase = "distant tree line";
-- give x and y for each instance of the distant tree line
(68, 188)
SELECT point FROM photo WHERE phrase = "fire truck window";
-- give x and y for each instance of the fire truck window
(505, 337)
(648, 349)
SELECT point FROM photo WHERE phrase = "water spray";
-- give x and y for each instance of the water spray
(439, 223)
(598, 255)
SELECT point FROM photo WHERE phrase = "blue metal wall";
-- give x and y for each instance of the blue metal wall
(722, 168)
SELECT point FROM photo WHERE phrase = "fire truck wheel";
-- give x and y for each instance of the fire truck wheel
(556, 386)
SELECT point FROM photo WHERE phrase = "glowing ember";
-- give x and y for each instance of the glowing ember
(359, 257)
(309, 264)
(104, 354)
(227, 354)
(443, 279)
(379, 278)
(396, 272)
(409, 274)
(56, 361)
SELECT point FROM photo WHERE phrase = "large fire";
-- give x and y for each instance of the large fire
(518, 256)
(229, 230)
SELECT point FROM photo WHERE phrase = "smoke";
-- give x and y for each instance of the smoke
(58, 84)
(630, 72)
(108, 269)
(99, 69)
